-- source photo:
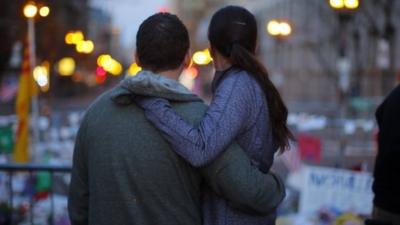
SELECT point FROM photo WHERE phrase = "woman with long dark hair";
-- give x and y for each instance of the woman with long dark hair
(246, 108)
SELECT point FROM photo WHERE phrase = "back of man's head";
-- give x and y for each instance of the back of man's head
(162, 42)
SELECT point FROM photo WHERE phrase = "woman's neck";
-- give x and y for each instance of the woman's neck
(221, 63)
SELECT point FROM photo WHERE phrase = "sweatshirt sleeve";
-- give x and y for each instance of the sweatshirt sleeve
(227, 116)
(246, 188)
(78, 197)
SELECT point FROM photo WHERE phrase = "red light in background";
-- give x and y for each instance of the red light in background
(163, 9)
(100, 79)
(100, 71)
(100, 75)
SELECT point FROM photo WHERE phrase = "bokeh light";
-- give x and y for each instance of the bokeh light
(337, 4)
(202, 57)
(30, 10)
(279, 28)
(351, 4)
(134, 69)
(74, 37)
(44, 11)
(66, 66)
(273, 27)
(40, 74)
(100, 71)
(109, 64)
(85, 47)
(285, 29)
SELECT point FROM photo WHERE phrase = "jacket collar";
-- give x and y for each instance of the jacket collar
(147, 83)
(219, 76)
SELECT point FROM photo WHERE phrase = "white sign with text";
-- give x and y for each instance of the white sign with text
(343, 190)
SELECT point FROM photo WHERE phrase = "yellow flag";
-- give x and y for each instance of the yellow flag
(26, 89)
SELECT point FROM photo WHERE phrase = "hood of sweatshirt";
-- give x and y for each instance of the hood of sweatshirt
(147, 83)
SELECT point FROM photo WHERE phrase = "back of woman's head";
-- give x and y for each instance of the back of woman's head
(233, 34)
(232, 25)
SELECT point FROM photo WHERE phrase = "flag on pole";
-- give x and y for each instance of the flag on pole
(26, 90)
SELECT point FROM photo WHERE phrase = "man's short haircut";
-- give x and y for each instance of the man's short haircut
(162, 42)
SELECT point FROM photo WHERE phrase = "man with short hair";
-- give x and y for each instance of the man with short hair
(124, 172)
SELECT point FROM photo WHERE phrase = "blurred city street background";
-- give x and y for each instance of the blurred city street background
(333, 61)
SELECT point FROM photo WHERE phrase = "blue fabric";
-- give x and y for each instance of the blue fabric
(238, 112)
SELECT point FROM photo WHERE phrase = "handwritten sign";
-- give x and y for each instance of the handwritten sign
(339, 189)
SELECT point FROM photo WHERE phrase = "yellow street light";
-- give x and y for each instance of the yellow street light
(40, 74)
(202, 57)
(109, 64)
(104, 60)
(69, 38)
(44, 11)
(74, 37)
(273, 27)
(66, 66)
(30, 10)
(279, 28)
(351, 4)
(80, 47)
(77, 37)
(336, 4)
(134, 69)
(85, 47)
(115, 68)
(285, 29)
(344, 4)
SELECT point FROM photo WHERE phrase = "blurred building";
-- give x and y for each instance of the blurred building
(65, 15)
(326, 60)
(331, 56)
(99, 29)
(332, 65)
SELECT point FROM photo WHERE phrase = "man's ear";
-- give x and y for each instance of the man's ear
(137, 59)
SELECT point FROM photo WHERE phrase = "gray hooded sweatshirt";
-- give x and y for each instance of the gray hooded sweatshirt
(124, 172)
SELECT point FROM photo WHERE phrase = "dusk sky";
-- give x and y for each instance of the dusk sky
(128, 14)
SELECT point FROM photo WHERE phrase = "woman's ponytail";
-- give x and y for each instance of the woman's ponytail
(278, 113)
